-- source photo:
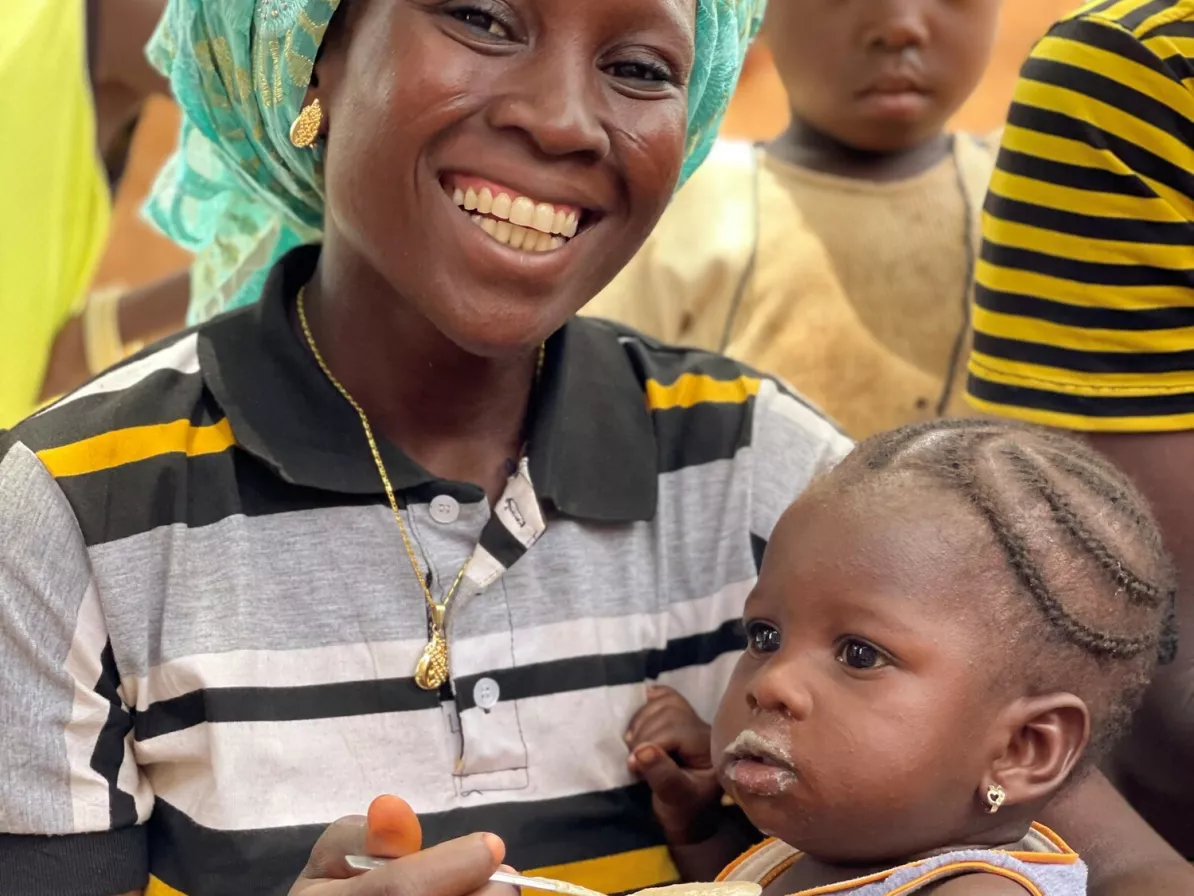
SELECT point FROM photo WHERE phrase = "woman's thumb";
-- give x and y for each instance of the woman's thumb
(392, 829)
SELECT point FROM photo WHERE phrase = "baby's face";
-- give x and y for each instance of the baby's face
(880, 75)
(861, 718)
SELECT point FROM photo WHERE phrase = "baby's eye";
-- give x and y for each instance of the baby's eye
(761, 637)
(860, 655)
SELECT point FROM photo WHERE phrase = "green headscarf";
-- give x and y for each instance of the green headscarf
(239, 195)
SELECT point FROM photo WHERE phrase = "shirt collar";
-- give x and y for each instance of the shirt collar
(592, 449)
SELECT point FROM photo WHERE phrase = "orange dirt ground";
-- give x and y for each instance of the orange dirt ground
(138, 255)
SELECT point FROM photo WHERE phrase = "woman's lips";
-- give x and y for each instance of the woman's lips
(759, 764)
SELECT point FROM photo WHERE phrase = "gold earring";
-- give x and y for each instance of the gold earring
(305, 129)
(994, 798)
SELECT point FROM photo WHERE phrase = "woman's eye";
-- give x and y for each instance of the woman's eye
(482, 21)
(644, 72)
(861, 655)
(762, 638)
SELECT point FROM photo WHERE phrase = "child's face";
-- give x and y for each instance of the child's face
(867, 687)
(880, 75)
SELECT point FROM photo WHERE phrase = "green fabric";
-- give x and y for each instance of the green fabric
(239, 195)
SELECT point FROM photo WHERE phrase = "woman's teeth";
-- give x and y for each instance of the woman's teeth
(518, 222)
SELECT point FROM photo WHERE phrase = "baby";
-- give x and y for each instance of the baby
(948, 628)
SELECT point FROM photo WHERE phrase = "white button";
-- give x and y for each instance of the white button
(486, 693)
(445, 509)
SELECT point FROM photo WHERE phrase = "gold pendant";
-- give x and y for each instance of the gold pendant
(432, 670)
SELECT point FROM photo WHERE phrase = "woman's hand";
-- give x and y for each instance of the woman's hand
(458, 868)
(669, 749)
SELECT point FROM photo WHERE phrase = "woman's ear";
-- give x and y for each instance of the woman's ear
(1045, 738)
(327, 72)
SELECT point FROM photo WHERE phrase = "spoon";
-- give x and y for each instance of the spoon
(547, 884)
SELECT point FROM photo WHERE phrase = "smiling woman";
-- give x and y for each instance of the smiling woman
(239, 194)
(400, 523)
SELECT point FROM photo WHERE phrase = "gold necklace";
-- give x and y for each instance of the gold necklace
(432, 669)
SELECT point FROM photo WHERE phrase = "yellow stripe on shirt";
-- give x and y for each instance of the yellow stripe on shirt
(695, 388)
(127, 446)
(1087, 339)
(1075, 247)
(158, 888)
(1080, 202)
(1070, 292)
(1115, 121)
(619, 873)
(1113, 66)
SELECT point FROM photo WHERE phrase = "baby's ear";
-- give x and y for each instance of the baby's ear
(1046, 737)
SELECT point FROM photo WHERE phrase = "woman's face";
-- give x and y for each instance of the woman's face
(497, 162)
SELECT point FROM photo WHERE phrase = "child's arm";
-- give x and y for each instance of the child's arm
(669, 749)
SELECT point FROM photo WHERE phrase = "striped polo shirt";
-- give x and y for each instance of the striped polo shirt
(1084, 314)
(209, 625)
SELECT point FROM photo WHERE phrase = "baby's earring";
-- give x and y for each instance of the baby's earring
(305, 129)
(994, 798)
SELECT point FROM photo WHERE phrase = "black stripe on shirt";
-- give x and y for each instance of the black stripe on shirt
(1083, 317)
(1141, 14)
(1110, 40)
(1134, 156)
(163, 396)
(1110, 407)
(1180, 67)
(233, 483)
(1093, 10)
(1106, 90)
(281, 704)
(356, 698)
(1098, 227)
(1063, 174)
(608, 670)
(1083, 361)
(200, 861)
(758, 547)
(108, 755)
(107, 862)
(690, 437)
(666, 364)
(1093, 272)
(1184, 28)
(501, 543)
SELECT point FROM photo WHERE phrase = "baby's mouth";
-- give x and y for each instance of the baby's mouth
(512, 219)
(758, 764)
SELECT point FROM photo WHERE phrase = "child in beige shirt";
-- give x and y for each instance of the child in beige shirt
(841, 255)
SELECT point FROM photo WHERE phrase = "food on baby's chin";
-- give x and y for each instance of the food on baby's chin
(723, 888)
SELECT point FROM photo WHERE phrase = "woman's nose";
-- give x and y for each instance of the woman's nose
(555, 102)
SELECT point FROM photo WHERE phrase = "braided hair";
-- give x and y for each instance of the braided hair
(1079, 541)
